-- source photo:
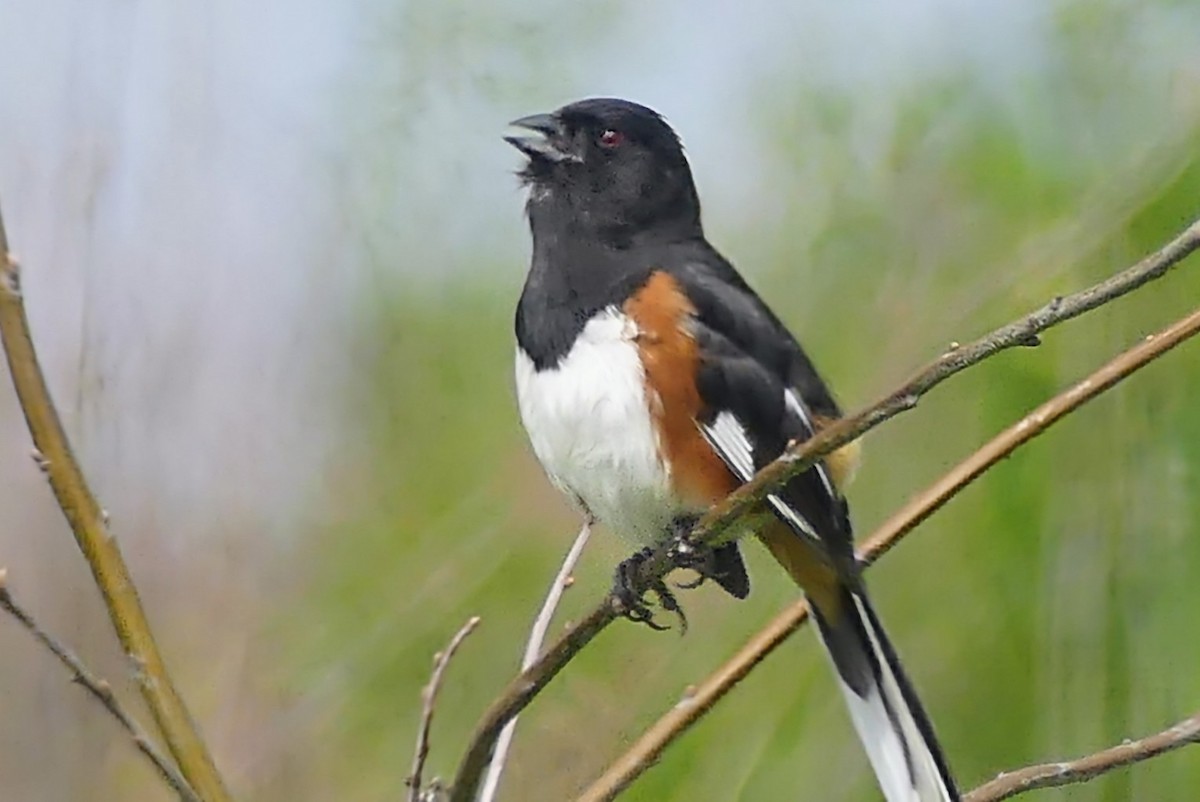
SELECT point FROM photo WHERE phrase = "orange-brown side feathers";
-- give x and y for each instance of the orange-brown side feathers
(671, 358)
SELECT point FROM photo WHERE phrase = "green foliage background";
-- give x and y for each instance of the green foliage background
(1048, 611)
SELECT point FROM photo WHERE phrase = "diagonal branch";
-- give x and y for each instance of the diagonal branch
(88, 522)
(1072, 772)
(1021, 332)
(102, 692)
(650, 746)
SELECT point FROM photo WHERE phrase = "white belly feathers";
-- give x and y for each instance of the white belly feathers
(589, 423)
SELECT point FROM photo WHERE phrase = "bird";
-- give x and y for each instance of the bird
(652, 381)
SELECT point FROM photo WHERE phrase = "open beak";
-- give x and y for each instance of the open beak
(547, 140)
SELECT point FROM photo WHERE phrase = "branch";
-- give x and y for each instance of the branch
(101, 691)
(89, 524)
(650, 746)
(1021, 332)
(441, 661)
(1052, 775)
(533, 647)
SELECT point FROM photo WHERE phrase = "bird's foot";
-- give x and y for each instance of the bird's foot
(630, 593)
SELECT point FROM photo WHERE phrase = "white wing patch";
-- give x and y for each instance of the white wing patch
(792, 400)
(798, 521)
(728, 438)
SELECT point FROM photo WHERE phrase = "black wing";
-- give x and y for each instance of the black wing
(760, 393)
(726, 304)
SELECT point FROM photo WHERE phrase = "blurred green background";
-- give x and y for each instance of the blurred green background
(892, 176)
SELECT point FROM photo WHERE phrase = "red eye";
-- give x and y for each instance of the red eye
(611, 138)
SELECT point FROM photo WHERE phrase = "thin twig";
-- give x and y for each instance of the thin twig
(101, 691)
(428, 704)
(715, 525)
(89, 524)
(1072, 772)
(533, 647)
(649, 747)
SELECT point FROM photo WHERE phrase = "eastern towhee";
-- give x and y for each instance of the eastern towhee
(652, 381)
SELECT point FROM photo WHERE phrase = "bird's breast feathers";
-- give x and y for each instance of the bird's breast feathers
(589, 421)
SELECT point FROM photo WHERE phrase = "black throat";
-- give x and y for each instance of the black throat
(577, 270)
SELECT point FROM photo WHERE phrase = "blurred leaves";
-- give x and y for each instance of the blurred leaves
(892, 176)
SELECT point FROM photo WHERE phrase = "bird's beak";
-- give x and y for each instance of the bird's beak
(548, 142)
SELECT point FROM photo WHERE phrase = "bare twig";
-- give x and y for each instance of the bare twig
(533, 647)
(89, 524)
(650, 746)
(428, 704)
(1051, 775)
(101, 691)
(715, 525)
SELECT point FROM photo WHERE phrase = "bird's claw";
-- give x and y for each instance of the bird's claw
(631, 596)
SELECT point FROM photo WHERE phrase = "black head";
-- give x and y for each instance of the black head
(614, 167)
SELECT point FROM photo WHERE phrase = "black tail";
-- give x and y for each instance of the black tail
(890, 721)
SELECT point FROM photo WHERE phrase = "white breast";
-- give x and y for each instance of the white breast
(589, 423)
